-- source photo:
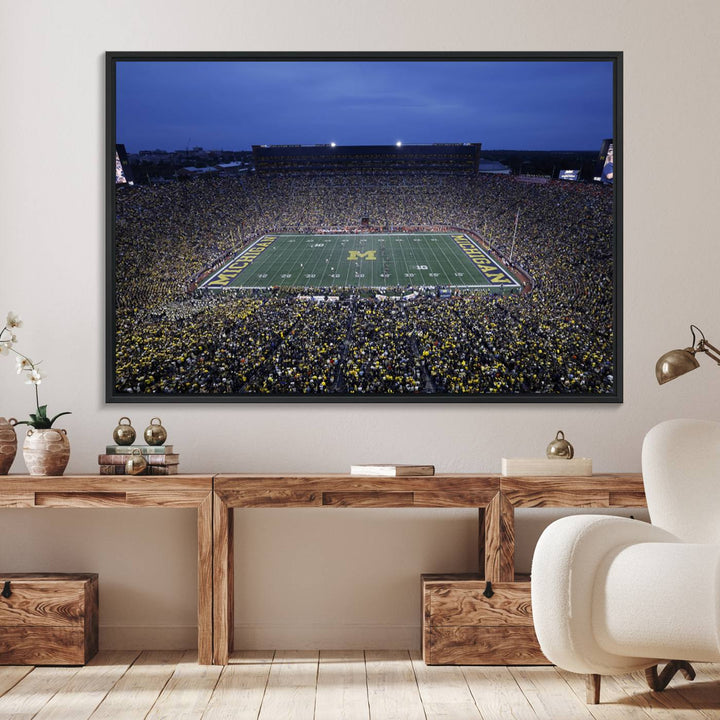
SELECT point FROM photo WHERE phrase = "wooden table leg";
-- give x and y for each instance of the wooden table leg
(223, 581)
(205, 580)
(499, 518)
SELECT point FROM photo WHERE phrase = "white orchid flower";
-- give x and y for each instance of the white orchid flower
(29, 371)
(13, 320)
(23, 363)
(35, 377)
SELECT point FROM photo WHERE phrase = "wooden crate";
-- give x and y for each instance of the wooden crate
(48, 618)
(463, 627)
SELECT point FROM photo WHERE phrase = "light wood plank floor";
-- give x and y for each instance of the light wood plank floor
(349, 685)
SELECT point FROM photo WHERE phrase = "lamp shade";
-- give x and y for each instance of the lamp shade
(675, 363)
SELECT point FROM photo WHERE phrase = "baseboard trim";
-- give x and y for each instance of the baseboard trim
(150, 637)
(326, 637)
(265, 636)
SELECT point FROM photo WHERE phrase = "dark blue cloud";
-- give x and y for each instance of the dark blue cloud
(541, 105)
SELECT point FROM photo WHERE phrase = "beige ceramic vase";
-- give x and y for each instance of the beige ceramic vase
(8, 444)
(46, 451)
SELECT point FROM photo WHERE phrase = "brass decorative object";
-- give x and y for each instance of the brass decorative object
(677, 362)
(124, 433)
(560, 448)
(136, 463)
(155, 433)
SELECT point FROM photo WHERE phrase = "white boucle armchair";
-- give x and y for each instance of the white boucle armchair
(613, 595)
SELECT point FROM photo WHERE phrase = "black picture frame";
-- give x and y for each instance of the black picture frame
(114, 394)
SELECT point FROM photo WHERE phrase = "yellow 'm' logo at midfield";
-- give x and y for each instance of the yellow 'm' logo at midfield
(359, 255)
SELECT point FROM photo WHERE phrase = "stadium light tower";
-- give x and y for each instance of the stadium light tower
(333, 144)
(399, 143)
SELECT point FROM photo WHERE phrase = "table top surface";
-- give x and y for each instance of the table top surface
(442, 490)
(343, 490)
(88, 483)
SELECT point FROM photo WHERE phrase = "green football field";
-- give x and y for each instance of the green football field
(364, 261)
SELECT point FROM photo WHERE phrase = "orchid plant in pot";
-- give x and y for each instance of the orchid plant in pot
(46, 449)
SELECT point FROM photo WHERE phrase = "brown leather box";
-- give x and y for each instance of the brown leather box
(48, 618)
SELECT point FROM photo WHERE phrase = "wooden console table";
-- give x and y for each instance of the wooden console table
(495, 497)
(92, 491)
(215, 497)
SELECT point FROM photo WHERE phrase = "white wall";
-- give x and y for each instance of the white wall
(330, 578)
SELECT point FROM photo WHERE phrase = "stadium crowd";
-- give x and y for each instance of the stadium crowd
(172, 338)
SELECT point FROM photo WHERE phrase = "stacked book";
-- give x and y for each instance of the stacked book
(392, 470)
(160, 459)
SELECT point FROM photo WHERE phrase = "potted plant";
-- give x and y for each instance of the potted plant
(46, 449)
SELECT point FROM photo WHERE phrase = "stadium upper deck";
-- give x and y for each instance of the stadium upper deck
(438, 157)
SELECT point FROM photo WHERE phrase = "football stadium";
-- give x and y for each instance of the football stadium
(367, 272)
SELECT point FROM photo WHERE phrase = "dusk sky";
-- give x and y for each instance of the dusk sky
(232, 105)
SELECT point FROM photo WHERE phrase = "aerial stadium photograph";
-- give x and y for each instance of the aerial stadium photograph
(364, 227)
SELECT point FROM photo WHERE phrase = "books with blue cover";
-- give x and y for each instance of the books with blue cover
(144, 449)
